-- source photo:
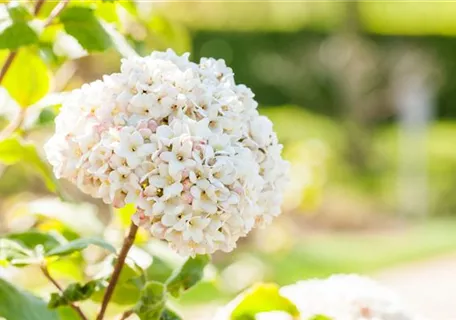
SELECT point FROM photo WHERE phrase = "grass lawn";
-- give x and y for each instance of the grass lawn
(322, 255)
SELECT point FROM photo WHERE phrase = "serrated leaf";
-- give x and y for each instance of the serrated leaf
(81, 23)
(169, 314)
(13, 150)
(189, 274)
(17, 35)
(73, 293)
(27, 79)
(78, 245)
(263, 297)
(16, 304)
(152, 301)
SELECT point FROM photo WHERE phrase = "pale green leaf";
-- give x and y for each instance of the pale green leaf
(31, 239)
(262, 298)
(27, 79)
(13, 150)
(14, 253)
(189, 274)
(128, 289)
(78, 245)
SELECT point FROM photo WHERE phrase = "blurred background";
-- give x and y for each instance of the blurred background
(361, 95)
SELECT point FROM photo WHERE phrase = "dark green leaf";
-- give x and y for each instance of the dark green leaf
(78, 245)
(27, 80)
(168, 314)
(16, 35)
(262, 298)
(152, 301)
(32, 239)
(18, 305)
(73, 293)
(189, 274)
(81, 23)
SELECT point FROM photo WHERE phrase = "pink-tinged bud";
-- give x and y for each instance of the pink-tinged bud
(141, 125)
(152, 125)
(185, 173)
(239, 190)
(187, 184)
(187, 197)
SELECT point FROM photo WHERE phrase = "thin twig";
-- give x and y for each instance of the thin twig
(56, 11)
(46, 273)
(7, 64)
(12, 54)
(128, 242)
(126, 314)
(13, 125)
(38, 6)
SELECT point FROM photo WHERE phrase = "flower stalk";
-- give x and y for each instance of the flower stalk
(128, 242)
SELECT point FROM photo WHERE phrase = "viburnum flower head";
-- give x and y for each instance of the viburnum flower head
(181, 142)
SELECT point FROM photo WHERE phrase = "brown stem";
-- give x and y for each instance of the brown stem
(48, 276)
(7, 64)
(12, 54)
(128, 242)
(56, 11)
(126, 314)
(38, 6)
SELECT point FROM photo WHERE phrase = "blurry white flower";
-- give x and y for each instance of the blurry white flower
(66, 45)
(179, 140)
(349, 297)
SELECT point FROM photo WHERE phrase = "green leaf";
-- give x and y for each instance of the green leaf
(18, 305)
(81, 23)
(320, 317)
(27, 79)
(152, 301)
(31, 239)
(78, 245)
(159, 270)
(14, 253)
(168, 314)
(73, 293)
(18, 12)
(16, 35)
(189, 274)
(128, 289)
(13, 150)
(262, 298)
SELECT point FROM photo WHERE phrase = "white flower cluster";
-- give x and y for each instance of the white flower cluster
(179, 140)
(346, 297)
